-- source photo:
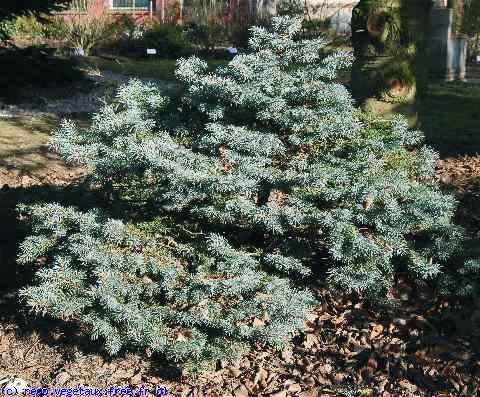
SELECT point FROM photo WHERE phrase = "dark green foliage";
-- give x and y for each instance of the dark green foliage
(207, 36)
(32, 27)
(13, 8)
(127, 37)
(8, 28)
(315, 27)
(168, 40)
(10, 9)
(130, 38)
(290, 8)
(55, 28)
(471, 20)
(471, 25)
(205, 23)
(465, 282)
(33, 67)
(239, 29)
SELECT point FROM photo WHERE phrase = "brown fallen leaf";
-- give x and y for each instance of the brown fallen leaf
(337, 320)
(324, 317)
(62, 378)
(339, 377)
(372, 363)
(294, 388)
(180, 337)
(325, 368)
(287, 355)
(315, 392)
(309, 381)
(260, 377)
(234, 372)
(136, 379)
(376, 331)
(281, 393)
(367, 204)
(405, 384)
(240, 391)
(310, 341)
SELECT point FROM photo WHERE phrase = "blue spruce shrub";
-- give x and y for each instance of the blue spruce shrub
(463, 283)
(263, 175)
(137, 291)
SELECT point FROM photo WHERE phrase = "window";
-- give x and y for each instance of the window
(131, 4)
(79, 5)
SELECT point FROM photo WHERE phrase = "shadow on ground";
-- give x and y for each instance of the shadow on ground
(450, 118)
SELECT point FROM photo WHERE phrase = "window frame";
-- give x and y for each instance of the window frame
(133, 8)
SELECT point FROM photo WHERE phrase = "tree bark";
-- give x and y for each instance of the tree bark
(389, 39)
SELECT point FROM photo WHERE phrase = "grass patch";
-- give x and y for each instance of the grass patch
(450, 117)
(23, 144)
(21, 138)
(163, 69)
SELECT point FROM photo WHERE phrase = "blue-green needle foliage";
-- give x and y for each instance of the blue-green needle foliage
(132, 291)
(262, 175)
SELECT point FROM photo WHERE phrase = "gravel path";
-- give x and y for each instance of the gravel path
(104, 85)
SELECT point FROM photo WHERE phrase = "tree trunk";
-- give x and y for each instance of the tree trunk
(389, 39)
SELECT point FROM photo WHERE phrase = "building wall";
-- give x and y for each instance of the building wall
(329, 7)
(339, 12)
(162, 10)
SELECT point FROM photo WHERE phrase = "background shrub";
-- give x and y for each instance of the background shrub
(9, 28)
(89, 31)
(205, 23)
(127, 37)
(238, 29)
(169, 40)
(290, 8)
(207, 36)
(55, 28)
(30, 27)
(471, 25)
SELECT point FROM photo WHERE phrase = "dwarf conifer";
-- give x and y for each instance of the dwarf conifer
(263, 177)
